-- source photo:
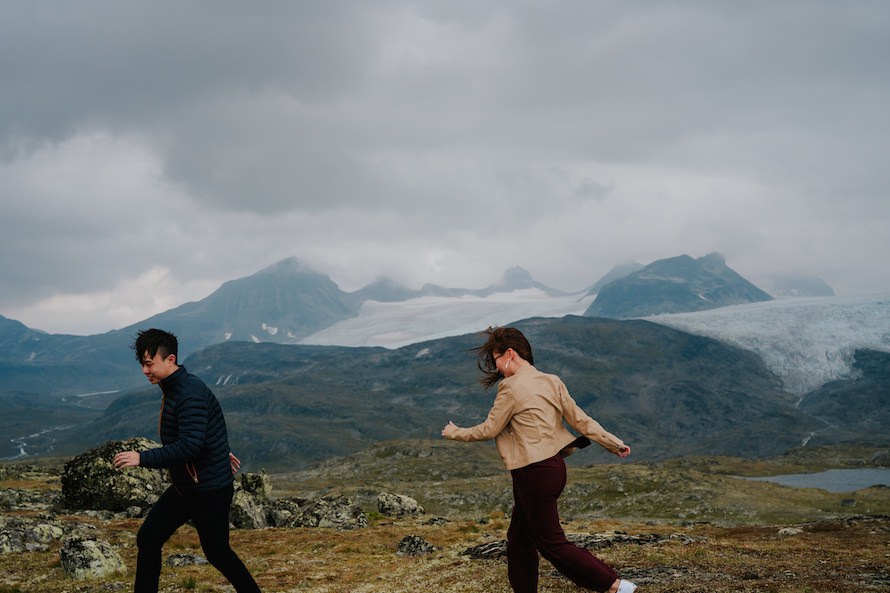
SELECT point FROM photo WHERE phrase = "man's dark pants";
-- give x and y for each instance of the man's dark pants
(209, 513)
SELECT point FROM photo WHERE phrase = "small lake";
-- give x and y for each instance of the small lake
(834, 480)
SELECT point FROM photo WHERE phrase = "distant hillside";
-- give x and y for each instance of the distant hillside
(783, 286)
(675, 285)
(855, 409)
(616, 273)
(666, 392)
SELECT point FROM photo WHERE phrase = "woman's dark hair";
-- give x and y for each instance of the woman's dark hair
(500, 339)
(154, 341)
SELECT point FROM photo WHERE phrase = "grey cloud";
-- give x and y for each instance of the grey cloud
(482, 135)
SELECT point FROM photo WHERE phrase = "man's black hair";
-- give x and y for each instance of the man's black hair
(154, 341)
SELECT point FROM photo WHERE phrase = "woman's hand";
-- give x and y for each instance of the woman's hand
(449, 430)
(126, 459)
(623, 451)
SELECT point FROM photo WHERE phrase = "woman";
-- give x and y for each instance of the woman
(526, 421)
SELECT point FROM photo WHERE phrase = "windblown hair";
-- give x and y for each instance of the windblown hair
(154, 341)
(500, 339)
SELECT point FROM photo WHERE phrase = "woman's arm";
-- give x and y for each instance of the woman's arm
(498, 417)
(581, 422)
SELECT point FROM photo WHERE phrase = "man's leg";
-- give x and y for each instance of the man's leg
(165, 517)
(210, 515)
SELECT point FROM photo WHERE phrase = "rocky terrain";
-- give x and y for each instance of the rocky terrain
(413, 516)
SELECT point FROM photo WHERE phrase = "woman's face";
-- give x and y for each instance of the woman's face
(502, 362)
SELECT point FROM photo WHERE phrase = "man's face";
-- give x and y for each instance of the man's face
(158, 368)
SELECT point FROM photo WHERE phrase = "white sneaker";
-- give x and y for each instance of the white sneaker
(626, 587)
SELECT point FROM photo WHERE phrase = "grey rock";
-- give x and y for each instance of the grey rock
(258, 484)
(285, 512)
(90, 480)
(398, 505)
(176, 560)
(23, 534)
(247, 511)
(498, 549)
(336, 512)
(15, 499)
(414, 545)
(84, 558)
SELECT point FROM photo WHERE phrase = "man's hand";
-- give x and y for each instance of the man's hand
(126, 459)
(234, 462)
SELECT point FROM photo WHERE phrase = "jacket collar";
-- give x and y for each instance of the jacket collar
(173, 378)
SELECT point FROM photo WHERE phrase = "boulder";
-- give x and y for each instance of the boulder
(285, 512)
(83, 557)
(414, 545)
(257, 484)
(90, 480)
(398, 505)
(248, 511)
(337, 512)
(18, 499)
(178, 560)
(24, 534)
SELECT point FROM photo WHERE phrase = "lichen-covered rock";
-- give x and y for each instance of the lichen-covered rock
(177, 560)
(337, 512)
(590, 541)
(248, 511)
(84, 558)
(258, 484)
(17, 499)
(24, 534)
(414, 545)
(285, 512)
(90, 480)
(398, 505)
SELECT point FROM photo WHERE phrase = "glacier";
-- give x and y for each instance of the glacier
(397, 324)
(805, 341)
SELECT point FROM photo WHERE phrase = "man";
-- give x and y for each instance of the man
(195, 450)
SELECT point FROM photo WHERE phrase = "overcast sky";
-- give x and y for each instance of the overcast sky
(152, 150)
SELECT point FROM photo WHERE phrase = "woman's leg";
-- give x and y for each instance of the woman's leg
(537, 487)
(522, 557)
(166, 516)
(210, 515)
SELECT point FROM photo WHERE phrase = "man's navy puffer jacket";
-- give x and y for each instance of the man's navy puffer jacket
(193, 434)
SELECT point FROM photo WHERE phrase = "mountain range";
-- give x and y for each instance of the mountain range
(289, 393)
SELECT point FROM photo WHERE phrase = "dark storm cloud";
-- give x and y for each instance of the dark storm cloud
(430, 133)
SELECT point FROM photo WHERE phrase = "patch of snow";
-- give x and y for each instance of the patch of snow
(393, 325)
(255, 339)
(271, 330)
(228, 336)
(806, 341)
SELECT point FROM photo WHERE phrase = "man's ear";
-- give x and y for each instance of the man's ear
(171, 358)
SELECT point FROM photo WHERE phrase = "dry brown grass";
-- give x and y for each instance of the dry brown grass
(736, 547)
(831, 556)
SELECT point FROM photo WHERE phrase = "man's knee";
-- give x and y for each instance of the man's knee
(148, 538)
(218, 555)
